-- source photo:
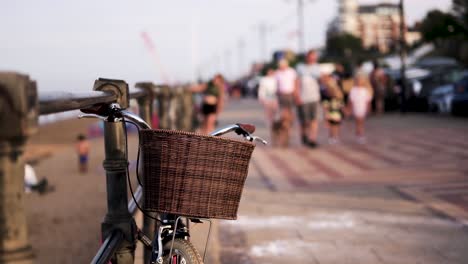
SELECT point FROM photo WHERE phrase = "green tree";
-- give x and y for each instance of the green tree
(439, 25)
(343, 45)
(460, 10)
(448, 31)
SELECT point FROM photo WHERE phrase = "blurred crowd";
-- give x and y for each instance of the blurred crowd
(309, 93)
(318, 94)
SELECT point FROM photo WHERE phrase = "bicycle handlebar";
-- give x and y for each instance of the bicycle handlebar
(113, 113)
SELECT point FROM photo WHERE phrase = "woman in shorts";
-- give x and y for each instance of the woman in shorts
(286, 87)
(213, 101)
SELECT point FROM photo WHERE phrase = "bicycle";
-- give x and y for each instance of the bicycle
(171, 243)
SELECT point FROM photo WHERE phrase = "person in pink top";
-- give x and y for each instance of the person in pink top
(286, 91)
(359, 103)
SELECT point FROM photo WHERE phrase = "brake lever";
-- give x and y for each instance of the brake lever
(103, 118)
(80, 116)
(255, 138)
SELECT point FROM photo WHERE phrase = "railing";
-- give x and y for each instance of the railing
(20, 107)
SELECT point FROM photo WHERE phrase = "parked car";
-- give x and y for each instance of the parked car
(422, 82)
(460, 97)
(417, 80)
(440, 99)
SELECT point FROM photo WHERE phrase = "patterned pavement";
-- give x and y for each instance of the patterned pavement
(400, 198)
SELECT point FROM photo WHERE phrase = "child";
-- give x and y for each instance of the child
(333, 106)
(82, 148)
(359, 102)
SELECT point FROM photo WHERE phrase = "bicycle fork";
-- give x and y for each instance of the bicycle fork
(156, 248)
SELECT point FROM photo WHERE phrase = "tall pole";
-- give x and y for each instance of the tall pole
(300, 25)
(240, 46)
(403, 55)
(227, 64)
(262, 30)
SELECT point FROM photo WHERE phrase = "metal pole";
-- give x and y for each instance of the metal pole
(300, 25)
(241, 46)
(116, 165)
(403, 55)
(262, 28)
(18, 120)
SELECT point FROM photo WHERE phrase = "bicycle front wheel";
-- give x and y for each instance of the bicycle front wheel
(183, 252)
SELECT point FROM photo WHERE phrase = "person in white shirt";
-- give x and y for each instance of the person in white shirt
(308, 98)
(286, 84)
(267, 95)
(360, 102)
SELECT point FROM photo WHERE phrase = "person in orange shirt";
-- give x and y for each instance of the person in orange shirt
(82, 148)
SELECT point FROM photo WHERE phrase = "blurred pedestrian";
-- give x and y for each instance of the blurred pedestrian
(82, 148)
(360, 104)
(378, 82)
(308, 98)
(286, 84)
(267, 95)
(341, 76)
(333, 106)
(212, 102)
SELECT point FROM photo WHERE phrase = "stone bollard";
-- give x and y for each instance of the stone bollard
(163, 97)
(186, 123)
(145, 105)
(175, 108)
(18, 120)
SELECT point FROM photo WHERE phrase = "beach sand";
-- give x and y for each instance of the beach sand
(65, 224)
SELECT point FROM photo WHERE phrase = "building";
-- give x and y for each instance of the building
(347, 14)
(378, 25)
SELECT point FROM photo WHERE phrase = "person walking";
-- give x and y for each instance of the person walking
(82, 148)
(378, 82)
(286, 84)
(213, 101)
(333, 106)
(360, 104)
(267, 95)
(308, 98)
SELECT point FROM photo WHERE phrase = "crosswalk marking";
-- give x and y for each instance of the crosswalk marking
(318, 162)
(268, 168)
(377, 154)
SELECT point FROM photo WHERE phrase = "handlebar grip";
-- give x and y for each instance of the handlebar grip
(97, 109)
(247, 127)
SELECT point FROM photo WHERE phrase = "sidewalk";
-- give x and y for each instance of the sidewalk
(401, 198)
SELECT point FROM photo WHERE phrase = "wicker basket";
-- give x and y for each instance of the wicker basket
(193, 175)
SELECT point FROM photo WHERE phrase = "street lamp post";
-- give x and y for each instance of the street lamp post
(403, 55)
(300, 25)
(262, 28)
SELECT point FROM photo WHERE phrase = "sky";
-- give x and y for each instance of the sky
(66, 45)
